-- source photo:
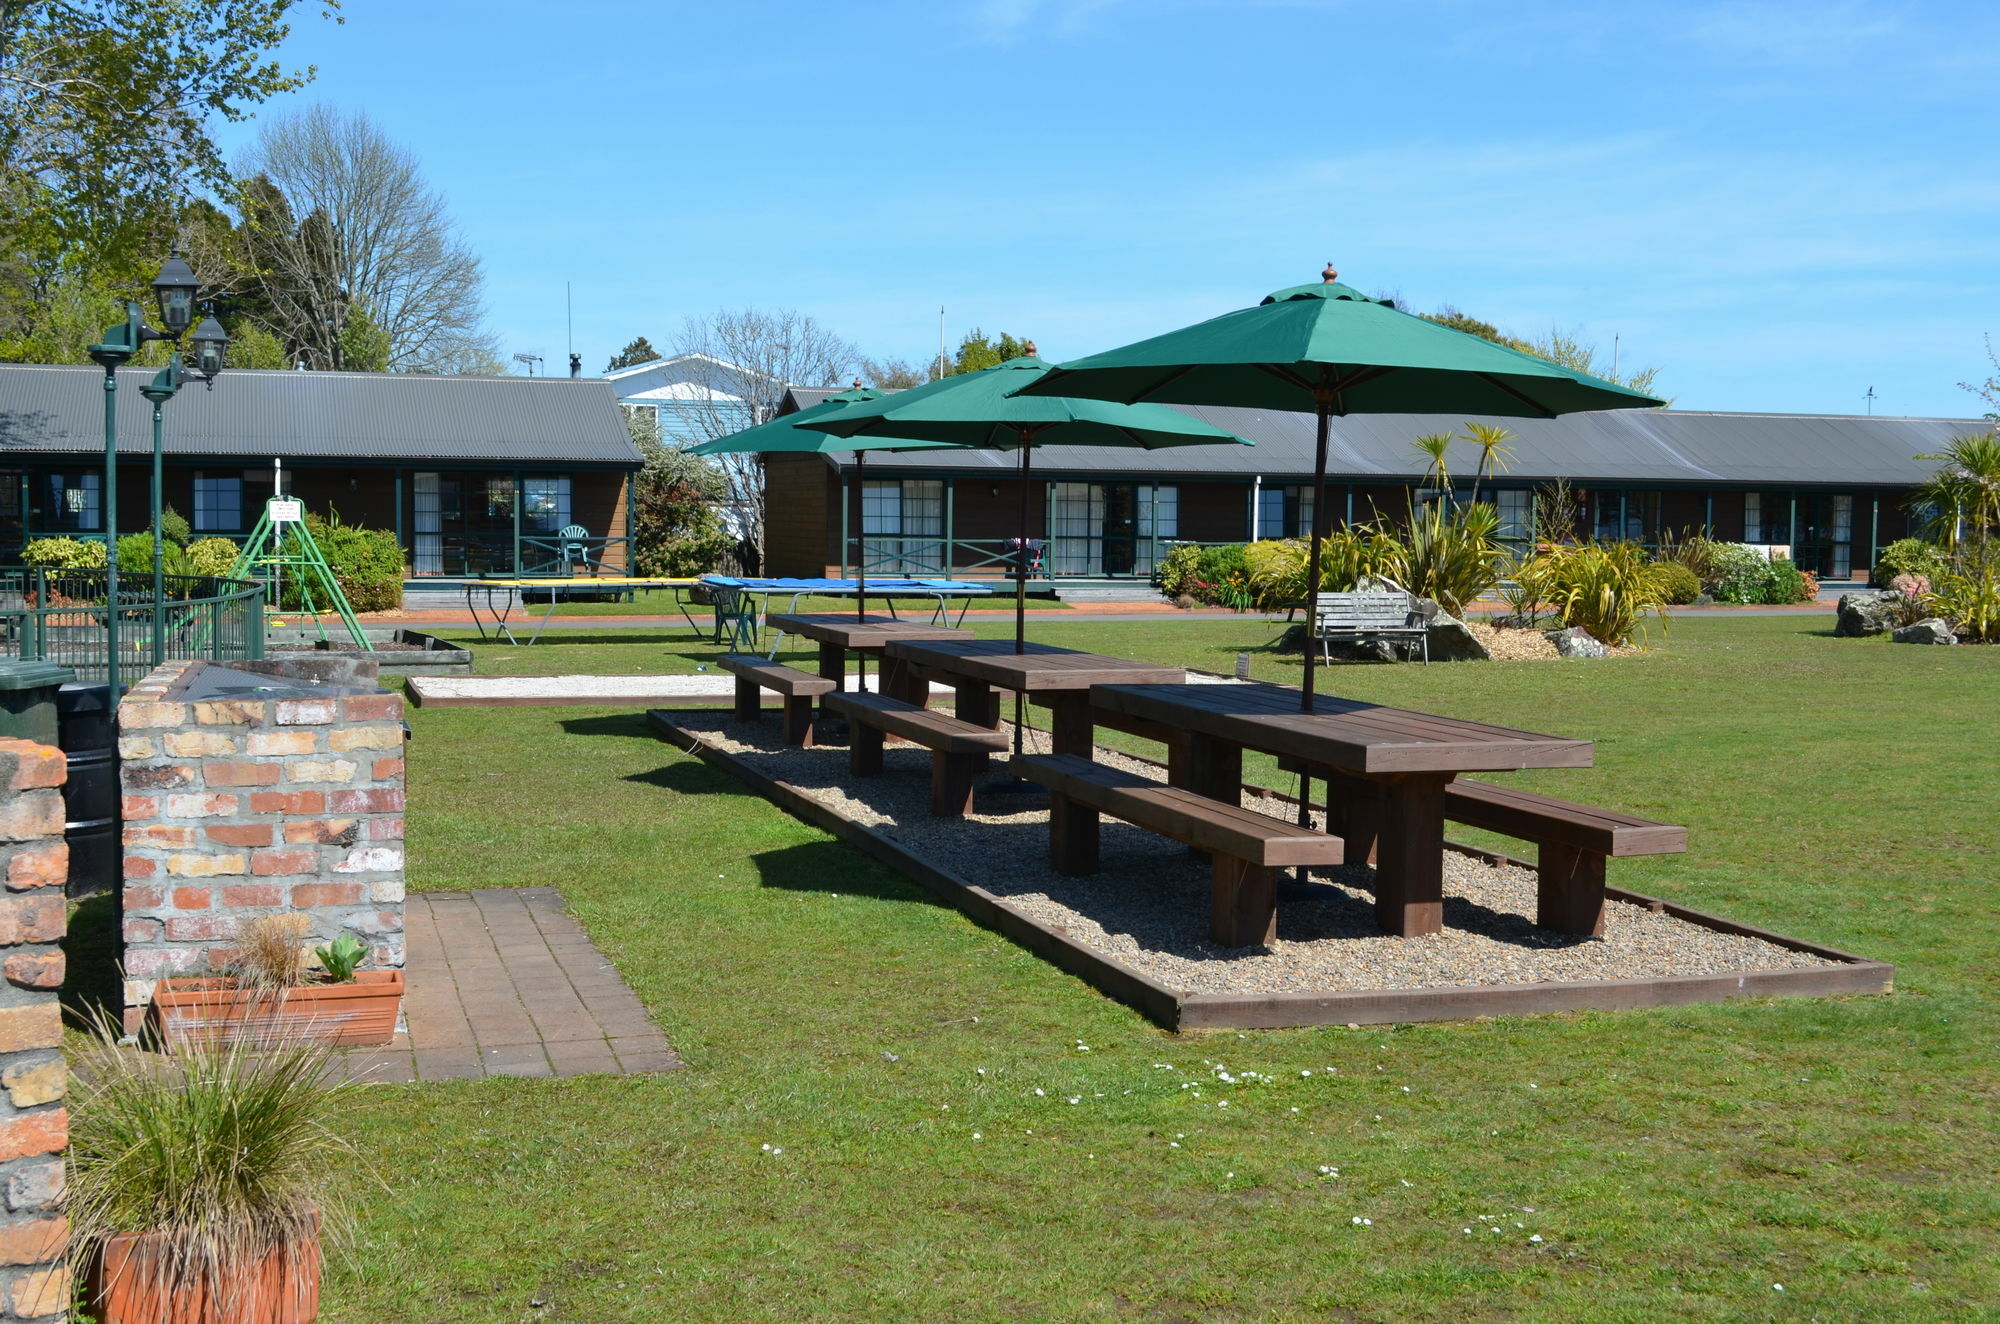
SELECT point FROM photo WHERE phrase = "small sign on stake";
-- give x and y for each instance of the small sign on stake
(285, 510)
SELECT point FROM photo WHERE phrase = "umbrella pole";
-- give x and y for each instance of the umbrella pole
(861, 543)
(1021, 586)
(1315, 543)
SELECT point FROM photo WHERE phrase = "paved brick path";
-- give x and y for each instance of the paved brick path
(502, 982)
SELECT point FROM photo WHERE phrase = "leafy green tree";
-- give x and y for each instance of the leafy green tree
(364, 346)
(977, 352)
(105, 115)
(251, 346)
(1563, 348)
(676, 497)
(638, 350)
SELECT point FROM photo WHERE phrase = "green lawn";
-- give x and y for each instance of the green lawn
(663, 602)
(1676, 1164)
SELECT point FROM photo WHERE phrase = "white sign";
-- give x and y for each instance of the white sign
(285, 510)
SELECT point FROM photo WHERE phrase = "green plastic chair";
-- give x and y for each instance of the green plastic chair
(735, 617)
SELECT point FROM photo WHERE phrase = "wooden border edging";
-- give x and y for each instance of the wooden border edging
(1178, 1011)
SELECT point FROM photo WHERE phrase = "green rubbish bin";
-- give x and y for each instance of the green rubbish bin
(28, 699)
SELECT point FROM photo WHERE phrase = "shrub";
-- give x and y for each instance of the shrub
(66, 554)
(212, 556)
(1968, 594)
(1744, 574)
(1216, 576)
(1177, 570)
(174, 527)
(1678, 584)
(1606, 589)
(1908, 556)
(677, 498)
(1452, 556)
(1786, 584)
(1694, 552)
(366, 563)
(1276, 569)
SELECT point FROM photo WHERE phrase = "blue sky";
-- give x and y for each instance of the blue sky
(1778, 204)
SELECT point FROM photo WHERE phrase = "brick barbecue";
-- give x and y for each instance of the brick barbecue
(250, 791)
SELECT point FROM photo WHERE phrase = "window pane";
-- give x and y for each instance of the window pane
(71, 503)
(545, 503)
(923, 507)
(881, 507)
(218, 503)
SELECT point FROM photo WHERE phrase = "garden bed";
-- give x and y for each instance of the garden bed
(1138, 930)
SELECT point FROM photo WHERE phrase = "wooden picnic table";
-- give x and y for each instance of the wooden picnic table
(1059, 679)
(839, 633)
(1409, 757)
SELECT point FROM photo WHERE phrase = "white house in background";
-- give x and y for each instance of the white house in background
(689, 395)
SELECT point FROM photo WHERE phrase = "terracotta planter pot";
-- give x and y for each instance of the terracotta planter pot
(212, 1010)
(122, 1283)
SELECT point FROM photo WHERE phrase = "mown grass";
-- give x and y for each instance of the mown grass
(666, 602)
(1676, 1163)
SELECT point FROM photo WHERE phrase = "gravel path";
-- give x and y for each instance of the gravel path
(1148, 907)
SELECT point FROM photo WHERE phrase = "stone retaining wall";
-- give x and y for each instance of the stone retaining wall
(243, 807)
(34, 1120)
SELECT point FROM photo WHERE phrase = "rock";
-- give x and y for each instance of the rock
(1862, 614)
(1576, 642)
(1450, 641)
(1931, 631)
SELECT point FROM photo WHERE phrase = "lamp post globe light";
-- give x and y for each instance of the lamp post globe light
(175, 289)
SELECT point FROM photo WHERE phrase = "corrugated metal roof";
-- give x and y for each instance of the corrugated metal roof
(1621, 445)
(322, 415)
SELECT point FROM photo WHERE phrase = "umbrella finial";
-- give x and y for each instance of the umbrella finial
(1028, 348)
(857, 383)
(1329, 275)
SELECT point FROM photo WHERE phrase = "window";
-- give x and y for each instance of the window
(1517, 513)
(1159, 512)
(910, 507)
(1284, 512)
(545, 503)
(71, 501)
(218, 503)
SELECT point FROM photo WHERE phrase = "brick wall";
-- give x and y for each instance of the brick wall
(34, 1122)
(236, 808)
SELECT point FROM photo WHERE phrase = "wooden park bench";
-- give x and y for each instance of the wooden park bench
(797, 688)
(1247, 848)
(959, 750)
(1573, 842)
(1363, 617)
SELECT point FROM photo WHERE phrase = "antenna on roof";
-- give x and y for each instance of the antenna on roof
(529, 361)
(1870, 398)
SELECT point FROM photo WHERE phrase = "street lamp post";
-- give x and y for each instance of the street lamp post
(175, 289)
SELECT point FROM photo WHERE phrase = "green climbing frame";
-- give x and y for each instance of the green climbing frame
(282, 547)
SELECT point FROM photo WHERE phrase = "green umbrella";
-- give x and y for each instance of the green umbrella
(1333, 350)
(792, 435)
(984, 410)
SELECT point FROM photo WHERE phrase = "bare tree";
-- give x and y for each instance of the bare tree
(748, 360)
(339, 223)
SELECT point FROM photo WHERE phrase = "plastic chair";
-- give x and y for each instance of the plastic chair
(572, 550)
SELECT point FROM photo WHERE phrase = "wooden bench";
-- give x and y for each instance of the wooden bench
(1247, 848)
(1362, 617)
(959, 750)
(798, 689)
(1574, 840)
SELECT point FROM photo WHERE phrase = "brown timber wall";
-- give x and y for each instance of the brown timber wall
(798, 510)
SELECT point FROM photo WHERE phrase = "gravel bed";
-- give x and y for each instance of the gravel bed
(1148, 907)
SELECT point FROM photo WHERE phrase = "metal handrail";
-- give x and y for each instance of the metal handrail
(942, 556)
(60, 616)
